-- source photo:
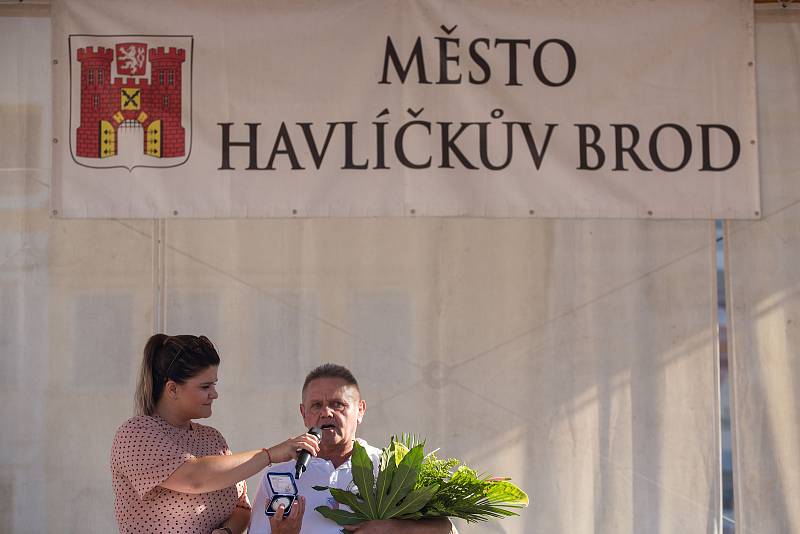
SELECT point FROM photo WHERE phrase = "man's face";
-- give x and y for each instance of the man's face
(335, 407)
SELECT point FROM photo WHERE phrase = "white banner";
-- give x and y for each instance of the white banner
(623, 108)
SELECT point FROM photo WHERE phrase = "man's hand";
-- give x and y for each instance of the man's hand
(397, 526)
(291, 523)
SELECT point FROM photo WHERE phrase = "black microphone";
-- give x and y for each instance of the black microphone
(304, 457)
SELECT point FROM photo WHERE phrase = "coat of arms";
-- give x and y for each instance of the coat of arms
(130, 100)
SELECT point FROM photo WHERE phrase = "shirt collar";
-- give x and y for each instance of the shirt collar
(347, 463)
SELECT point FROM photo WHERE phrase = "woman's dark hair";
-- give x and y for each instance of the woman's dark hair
(176, 358)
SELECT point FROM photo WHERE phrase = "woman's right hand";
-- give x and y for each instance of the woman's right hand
(283, 452)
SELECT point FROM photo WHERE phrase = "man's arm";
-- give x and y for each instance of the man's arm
(396, 526)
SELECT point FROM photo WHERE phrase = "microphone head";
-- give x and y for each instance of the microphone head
(304, 457)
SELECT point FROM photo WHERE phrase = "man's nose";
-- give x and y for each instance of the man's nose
(327, 411)
(214, 393)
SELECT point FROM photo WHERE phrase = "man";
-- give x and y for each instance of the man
(331, 400)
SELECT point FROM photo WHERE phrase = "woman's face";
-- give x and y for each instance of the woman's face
(194, 397)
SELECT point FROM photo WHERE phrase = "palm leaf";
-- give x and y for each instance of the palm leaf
(351, 500)
(364, 478)
(341, 517)
(409, 440)
(507, 493)
(412, 485)
(385, 454)
(413, 502)
(402, 482)
(384, 483)
(400, 451)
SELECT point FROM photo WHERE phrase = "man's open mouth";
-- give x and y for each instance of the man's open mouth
(328, 427)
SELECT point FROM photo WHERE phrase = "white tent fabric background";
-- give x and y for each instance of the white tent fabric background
(536, 354)
(764, 288)
(578, 357)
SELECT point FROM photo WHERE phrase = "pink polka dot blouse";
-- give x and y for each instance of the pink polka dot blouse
(146, 451)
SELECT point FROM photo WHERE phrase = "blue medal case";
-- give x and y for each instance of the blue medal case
(284, 491)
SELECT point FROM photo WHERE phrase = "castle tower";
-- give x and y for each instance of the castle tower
(165, 103)
(95, 99)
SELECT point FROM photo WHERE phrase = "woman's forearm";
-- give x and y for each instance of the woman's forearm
(211, 473)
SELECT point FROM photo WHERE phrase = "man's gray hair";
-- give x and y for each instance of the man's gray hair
(331, 370)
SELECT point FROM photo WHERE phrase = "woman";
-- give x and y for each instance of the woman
(171, 474)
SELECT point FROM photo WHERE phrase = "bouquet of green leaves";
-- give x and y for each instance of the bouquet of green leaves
(413, 485)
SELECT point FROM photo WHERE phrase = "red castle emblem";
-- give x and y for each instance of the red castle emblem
(128, 99)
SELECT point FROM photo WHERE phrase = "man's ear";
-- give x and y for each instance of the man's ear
(302, 411)
(362, 408)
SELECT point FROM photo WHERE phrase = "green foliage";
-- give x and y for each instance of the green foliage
(462, 493)
(411, 485)
(392, 495)
(341, 517)
(364, 479)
